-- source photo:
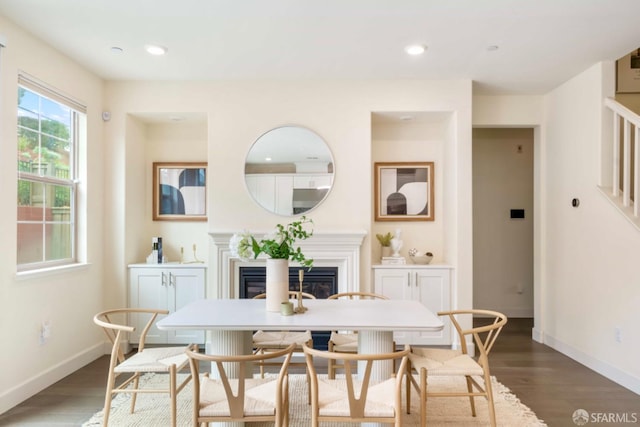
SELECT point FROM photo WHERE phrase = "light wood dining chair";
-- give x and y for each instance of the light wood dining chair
(168, 360)
(246, 398)
(357, 397)
(346, 341)
(426, 362)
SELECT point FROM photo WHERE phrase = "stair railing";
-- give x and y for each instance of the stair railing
(625, 188)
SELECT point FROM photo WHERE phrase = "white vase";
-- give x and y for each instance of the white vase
(277, 283)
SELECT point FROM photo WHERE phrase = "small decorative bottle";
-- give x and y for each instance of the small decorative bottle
(154, 250)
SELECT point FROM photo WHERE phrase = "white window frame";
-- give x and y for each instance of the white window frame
(78, 117)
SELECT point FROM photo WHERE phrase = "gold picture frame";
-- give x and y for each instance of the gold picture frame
(404, 191)
(179, 191)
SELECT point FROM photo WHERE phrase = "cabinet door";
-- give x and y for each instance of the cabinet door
(147, 289)
(432, 288)
(184, 286)
(429, 286)
(394, 283)
(262, 188)
(284, 195)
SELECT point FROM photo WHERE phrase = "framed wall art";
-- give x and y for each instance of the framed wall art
(404, 191)
(628, 73)
(179, 191)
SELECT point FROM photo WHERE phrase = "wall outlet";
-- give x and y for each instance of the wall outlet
(45, 331)
(618, 334)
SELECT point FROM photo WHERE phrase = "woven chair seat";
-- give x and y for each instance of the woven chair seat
(155, 360)
(334, 399)
(259, 398)
(344, 342)
(444, 362)
(280, 339)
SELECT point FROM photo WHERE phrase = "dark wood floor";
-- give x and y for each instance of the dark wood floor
(550, 383)
(553, 385)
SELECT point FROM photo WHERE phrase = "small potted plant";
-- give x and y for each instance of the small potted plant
(385, 242)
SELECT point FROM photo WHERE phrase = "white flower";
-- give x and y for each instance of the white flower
(240, 246)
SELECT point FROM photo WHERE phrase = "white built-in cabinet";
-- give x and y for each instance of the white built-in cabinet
(274, 192)
(429, 284)
(165, 286)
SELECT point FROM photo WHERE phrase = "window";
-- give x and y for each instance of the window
(48, 133)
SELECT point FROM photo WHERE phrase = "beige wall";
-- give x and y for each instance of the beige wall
(420, 140)
(589, 253)
(184, 141)
(238, 112)
(67, 299)
(502, 246)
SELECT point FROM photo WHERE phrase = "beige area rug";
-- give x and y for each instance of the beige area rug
(153, 409)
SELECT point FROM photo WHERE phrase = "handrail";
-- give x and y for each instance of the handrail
(623, 111)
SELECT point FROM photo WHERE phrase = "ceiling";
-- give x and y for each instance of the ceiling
(540, 43)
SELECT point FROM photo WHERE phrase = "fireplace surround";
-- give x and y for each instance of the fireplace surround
(328, 249)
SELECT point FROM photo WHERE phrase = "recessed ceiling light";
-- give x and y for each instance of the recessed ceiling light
(415, 49)
(156, 50)
(268, 159)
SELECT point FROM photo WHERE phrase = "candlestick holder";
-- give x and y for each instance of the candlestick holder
(300, 308)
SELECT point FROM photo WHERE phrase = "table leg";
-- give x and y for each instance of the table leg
(229, 342)
(372, 342)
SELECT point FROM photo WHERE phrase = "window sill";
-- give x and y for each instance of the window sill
(45, 272)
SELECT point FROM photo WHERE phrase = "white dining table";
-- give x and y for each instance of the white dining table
(231, 322)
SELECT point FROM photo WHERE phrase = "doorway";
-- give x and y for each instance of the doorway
(503, 208)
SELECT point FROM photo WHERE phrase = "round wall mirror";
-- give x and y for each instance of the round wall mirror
(289, 170)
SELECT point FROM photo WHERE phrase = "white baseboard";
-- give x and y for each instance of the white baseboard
(537, 335)
(614, 374)
(42, 380)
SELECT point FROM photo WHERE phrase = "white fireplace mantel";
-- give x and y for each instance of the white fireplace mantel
(328, 249)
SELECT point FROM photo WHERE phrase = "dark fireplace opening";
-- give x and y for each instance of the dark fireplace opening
(318, 281)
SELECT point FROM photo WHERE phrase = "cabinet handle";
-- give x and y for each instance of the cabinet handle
(408, 279)
(172, 279)
(416, 281)
(164, 279)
